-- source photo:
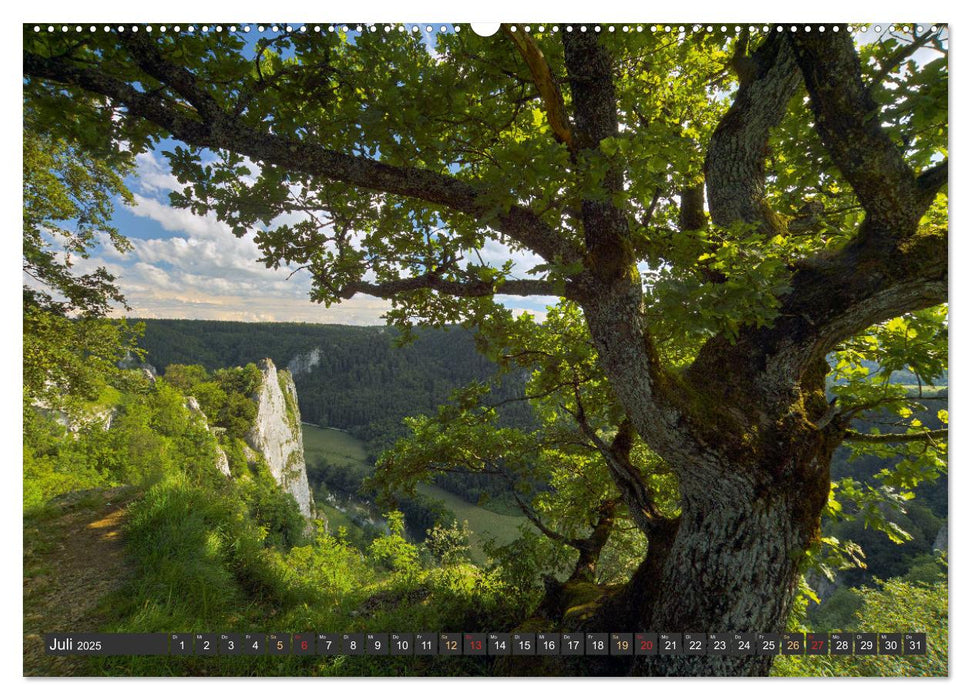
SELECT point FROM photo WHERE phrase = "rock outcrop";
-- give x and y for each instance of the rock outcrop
(304, 363)
(129, 361)
(78, 421)
(222, 462)
(276, 434)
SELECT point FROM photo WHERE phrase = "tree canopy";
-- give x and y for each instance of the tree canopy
(68, 200)
(728, 210)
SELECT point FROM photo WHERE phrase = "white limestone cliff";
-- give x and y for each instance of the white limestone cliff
(276, 434)
(304, 363)
(222, 462)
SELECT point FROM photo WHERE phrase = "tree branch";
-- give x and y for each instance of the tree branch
(581, 545)
(831, 299)
(208, 126)
(926, 435)
(545, 83)
(903, 52)
(150, 59)
(609, 290)
(735, 161)
(931, 181)
(643, 510)
(848, 122)
(605, 227)
(886, 270)
(433, 281)
(691, 214)
(545, 529)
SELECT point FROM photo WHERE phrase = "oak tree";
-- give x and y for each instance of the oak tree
(727, 210)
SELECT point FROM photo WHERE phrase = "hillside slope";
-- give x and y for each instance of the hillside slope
(354, 378)
(74, 555)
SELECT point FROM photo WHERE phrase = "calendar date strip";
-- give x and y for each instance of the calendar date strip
(487, 644)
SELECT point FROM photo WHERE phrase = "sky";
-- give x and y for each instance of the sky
(183, 265)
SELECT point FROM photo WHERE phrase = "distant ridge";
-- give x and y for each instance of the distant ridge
(355, 378)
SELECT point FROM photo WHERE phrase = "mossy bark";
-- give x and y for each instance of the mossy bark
(734, 564)
(729, 563)
(752, 457)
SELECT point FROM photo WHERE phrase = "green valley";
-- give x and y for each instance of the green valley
(342, 450)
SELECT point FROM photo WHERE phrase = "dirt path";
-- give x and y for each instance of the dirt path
(73, 557)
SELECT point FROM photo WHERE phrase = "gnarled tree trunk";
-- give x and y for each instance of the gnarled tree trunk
(731, 561)
(734, 565)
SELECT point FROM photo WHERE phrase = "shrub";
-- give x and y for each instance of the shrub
(893, 606)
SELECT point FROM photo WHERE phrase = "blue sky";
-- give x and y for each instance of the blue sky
(186, 266)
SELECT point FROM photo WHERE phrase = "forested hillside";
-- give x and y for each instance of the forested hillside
(363, 380)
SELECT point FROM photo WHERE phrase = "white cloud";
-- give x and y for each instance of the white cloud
(255, 171)
(180, 220)
(204, 271)
(496, 254)
(150, 277)
(152, 175)
(156, 303)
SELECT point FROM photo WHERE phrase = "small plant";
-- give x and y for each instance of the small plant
(449, 545)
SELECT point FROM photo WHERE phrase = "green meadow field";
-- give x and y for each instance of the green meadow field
(336, 446)
(341, 448)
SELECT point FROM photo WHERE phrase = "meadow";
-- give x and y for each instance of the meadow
(341, 448)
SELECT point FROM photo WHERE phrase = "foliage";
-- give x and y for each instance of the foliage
(48, 472)
(393, 550)
(717, 211)
(558, 473)
(227, 397)
(151, 435)
(67, 362)
(449, 544)
(343, 480)
(329, 567)
(273, 509)
(863, 370)
(893, 605)
(837, 612)
(520, 565)
(69, 197)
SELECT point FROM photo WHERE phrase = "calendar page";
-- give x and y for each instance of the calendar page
(509, 350)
